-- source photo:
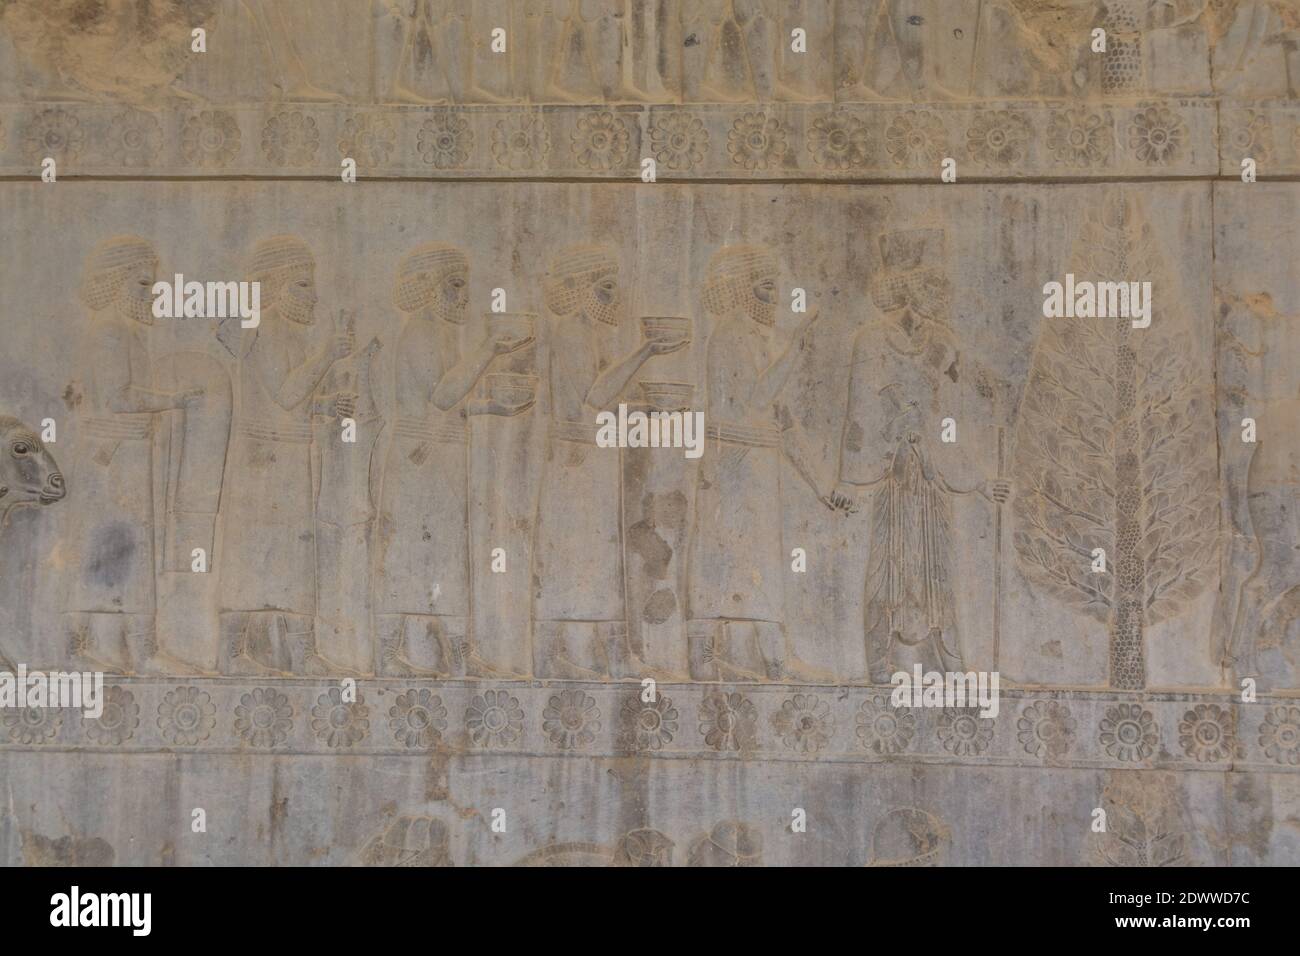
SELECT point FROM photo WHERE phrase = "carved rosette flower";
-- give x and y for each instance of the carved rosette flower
(1129, 732)
(963, 732)
(998, 138)
(55, 133)
(804, 723)
(1046, 729)
(337, 722)
(417, 719)
(290, 138)
(728, 721)
(186, 716)
(916, 139)
(756, 141)
(134, 138)
(210, 139)
(118, 722)
(571, 719)
(1208, 733)
(1279, 735)
(1250, 136)
(494, 719)
(678, 141)
(646, 726)
(601, 140)
(521, 141)
(367, 138)
(32, 725)
(1079, 137)
(264, 717)
(445, 141)
(838, 141)
(883, 728)
(1156, 135)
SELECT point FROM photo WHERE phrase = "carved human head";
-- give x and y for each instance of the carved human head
(286, 270)
(742, 277)
(584, 279)
(120, 275)
(434, 276)
(913, 276)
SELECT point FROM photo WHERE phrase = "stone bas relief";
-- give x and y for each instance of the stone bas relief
(394, 480)
(708, 89)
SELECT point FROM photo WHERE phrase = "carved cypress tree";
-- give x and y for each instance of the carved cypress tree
(1115, 449)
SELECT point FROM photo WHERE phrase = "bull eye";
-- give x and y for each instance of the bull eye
(20, 448)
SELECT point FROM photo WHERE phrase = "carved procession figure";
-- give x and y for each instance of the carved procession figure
(422, 591)
(904, 384)
(112, 601)
(268, 564)
(741, 52)
(736, 614)
(579, 611)
(438, 52)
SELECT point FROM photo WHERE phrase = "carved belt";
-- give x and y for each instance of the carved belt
(582, 432)
(421, 430)
(753, 436)
(292, 433)
(119, 428)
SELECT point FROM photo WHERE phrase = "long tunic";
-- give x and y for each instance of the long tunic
(269, 543)
(112, 479)
(737, 569)
(423, 543)
(578, 557)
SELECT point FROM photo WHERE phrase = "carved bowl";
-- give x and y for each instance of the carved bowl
(514, 325)
(667, 396)
(511, 388)
(666, 328)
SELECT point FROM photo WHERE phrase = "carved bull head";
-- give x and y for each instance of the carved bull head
(28, 472)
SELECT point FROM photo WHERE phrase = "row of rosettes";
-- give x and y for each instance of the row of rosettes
(986, 141)
(1050, 728)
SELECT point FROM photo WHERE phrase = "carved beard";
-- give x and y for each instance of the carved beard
(297, 311)
(453, 312)
(928, 297)
(602, 311)
(764, 313)
(138, 310)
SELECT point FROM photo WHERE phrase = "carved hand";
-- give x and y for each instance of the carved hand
(345, 337)
(345, 405)
(843, 498)
(488, 406)
(504, 343)
(999, 489)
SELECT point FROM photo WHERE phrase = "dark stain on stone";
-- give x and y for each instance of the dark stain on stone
(110, 554)
(660, 607)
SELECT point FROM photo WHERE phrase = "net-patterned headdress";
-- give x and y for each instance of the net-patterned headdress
(109, 264)
(573, 272)
(733, 272)
(438, 260)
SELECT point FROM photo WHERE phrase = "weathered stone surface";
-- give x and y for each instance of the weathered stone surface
(497, 586)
